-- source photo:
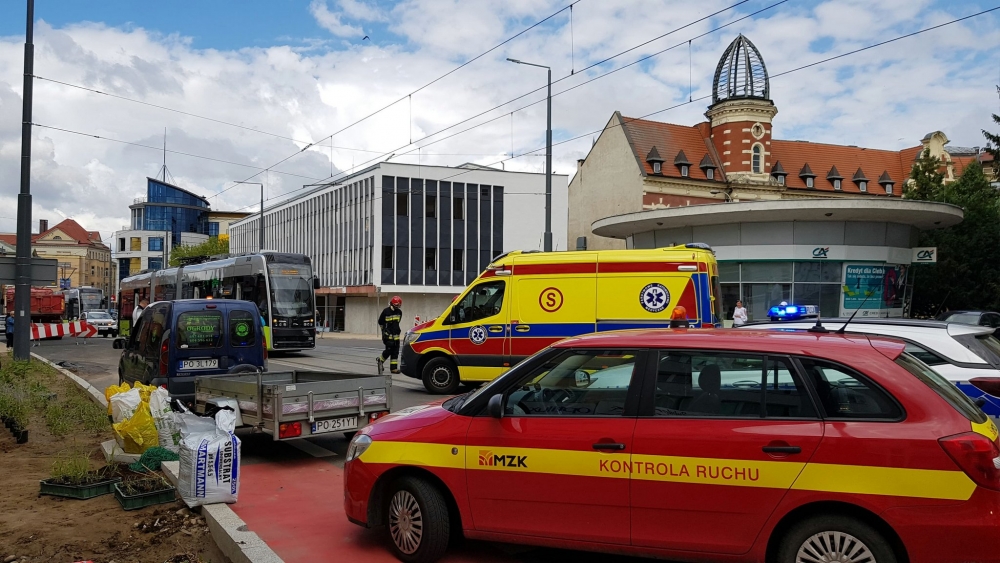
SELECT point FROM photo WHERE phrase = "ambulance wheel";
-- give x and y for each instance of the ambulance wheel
(417, 521)
(834, 538)
(441, 376)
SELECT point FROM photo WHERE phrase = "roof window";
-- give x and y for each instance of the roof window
(860, 179)
(655, 161)
(834, 177)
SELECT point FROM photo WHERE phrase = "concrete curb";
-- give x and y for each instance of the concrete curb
(228, 530)
(238, 543)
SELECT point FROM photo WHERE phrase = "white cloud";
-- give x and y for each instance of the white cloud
(331, 21)
(885, 98)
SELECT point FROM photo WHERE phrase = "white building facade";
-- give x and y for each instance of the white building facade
(420, 232)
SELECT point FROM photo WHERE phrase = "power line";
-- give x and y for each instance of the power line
(393, 153)
(161, 149)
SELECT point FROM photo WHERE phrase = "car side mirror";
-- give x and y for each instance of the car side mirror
(495, 406)
(316, 282)
(118, 344)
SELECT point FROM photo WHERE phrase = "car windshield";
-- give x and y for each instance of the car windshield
(94, 315)
(291, 290)
(963, 318)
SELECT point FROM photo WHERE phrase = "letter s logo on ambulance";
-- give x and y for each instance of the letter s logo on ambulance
(654, 297)
(550, 299)
(477, 334)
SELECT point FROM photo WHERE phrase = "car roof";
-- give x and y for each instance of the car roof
(742, 340)
(953, 329)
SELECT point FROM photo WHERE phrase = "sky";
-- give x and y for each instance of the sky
(242, 86)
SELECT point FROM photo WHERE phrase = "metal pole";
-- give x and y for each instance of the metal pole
(22, 284)
(262, 218)
(548, 169)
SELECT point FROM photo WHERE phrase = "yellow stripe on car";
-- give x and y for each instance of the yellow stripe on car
(847, 479)
(988, 429)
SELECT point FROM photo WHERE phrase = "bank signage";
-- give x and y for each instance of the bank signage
(924, 255)
(821, 252)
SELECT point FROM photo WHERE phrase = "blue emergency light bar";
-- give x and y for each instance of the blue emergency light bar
(792, 312)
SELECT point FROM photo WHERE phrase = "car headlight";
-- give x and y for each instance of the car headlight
(410, 337)
(358, 445)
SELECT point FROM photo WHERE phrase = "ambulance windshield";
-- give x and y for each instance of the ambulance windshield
(482, 301)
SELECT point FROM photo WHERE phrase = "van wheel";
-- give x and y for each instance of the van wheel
(838, 539)
(440, 376)
(417, 521)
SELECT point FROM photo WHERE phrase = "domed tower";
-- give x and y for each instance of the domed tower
(741, 112)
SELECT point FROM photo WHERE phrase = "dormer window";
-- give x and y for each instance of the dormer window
(888, 188)
(683, 164)
(655, 161)
(861, 181)
(778, 172)
(863, 186)
(707, 166)
(808, 176)
(685, 170)
(781, 180)
(886, 182)
(809, 182)
(710, 173)
(834, 177)
(836, 184)
(657, 168)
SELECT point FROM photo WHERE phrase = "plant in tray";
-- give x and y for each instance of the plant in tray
(141, 490)
(72, 477)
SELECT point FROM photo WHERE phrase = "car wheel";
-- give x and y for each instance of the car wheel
(242, 368)
(440, 376)
(417, 522)
(837, 539)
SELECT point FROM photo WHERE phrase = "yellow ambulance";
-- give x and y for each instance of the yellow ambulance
(525, 301)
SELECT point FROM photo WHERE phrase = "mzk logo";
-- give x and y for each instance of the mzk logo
(487, 458)
(820, 252)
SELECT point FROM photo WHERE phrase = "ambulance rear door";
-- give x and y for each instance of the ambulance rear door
(641, 289)
(554, 299)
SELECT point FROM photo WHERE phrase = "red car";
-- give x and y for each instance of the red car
(710, 445)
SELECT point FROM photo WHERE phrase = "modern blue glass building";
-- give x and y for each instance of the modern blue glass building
(169, 208)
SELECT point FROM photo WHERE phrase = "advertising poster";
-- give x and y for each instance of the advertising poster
(874, 290)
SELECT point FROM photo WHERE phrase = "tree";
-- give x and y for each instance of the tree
(211, 247)
(928, 179)
(967, 274)
(993, 144)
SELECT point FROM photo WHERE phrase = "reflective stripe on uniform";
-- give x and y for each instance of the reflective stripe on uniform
(846, 479)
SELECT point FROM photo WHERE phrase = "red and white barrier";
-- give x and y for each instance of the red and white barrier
(79, 329)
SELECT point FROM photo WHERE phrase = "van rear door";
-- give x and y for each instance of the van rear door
(199, 340)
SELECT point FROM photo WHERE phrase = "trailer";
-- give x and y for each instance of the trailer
(47, 304)
(298, 404)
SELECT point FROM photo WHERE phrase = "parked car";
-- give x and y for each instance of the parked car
(966, 355)
(981, 318)
(719, 445)
(176, 341)
(102, 321)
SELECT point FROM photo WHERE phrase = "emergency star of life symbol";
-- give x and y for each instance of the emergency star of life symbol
(654, 297)
(477, 334)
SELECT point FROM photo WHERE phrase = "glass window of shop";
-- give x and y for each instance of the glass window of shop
(762, 285)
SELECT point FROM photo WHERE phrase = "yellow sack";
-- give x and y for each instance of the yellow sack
(114, 390)
(144, 391)
(138, 433)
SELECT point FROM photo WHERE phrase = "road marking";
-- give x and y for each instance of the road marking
(311, 448)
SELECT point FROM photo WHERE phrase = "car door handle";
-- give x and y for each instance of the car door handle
(609, 446)
(496, 328)
(782, 449)
(522, 328)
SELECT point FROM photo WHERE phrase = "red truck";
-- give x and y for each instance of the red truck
(47, 305)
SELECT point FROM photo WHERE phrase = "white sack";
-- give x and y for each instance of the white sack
(163, 419)
(210, 459)
(123, 405)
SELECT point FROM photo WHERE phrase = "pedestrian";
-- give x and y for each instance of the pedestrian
(137, 312)
(388, 321)
(10, 330)
(739, 314)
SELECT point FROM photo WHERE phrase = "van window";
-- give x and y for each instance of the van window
(157, 320)
(482, 301)
(199, 329)
(241, 329)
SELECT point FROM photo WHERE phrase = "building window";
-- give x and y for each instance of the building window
(757, 154)
(458, 205)
(836, 183)
(155, 243)
(710, 173)
(431, 206)
(781, 180)
(457, 260)
(430, 259)
(685, 170)
(863, 186)
(657, 168)
(386, 257)
(155, 263)
(401, 205)
(213, 229)
(888, 188)
(135, 243)
(121, 244)
(809, 182)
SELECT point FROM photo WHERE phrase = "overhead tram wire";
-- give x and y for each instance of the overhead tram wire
(333, 178)
(452, 71)
(161, 149)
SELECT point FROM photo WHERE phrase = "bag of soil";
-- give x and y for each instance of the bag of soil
(210, 459)
(137, 433)
(124, 404)
(163, 418)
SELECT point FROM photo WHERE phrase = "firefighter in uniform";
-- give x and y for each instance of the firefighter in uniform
(388, 321)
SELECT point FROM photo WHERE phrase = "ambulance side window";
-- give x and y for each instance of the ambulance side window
(482, 301)
(575, 383)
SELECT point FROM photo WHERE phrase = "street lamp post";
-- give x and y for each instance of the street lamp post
(261, 249)
(548, 157)
(22, 273)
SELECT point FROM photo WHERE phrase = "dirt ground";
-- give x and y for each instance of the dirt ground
(39, 529)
